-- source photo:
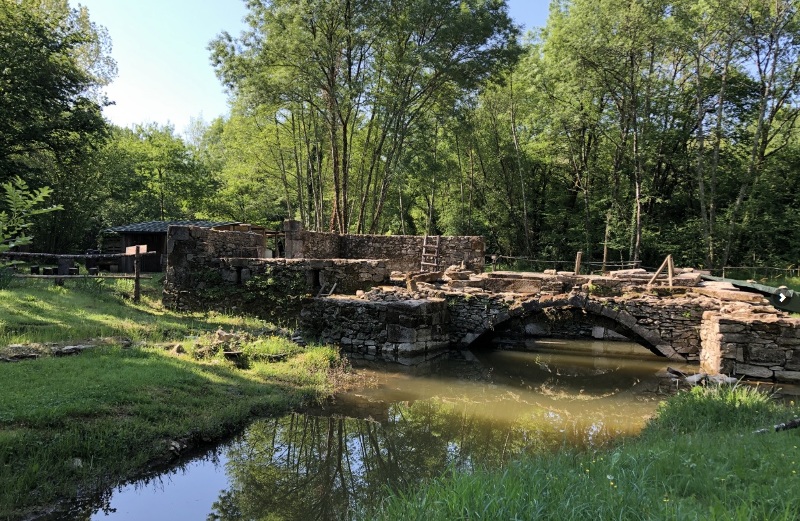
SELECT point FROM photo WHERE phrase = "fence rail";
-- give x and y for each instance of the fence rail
(542, 264)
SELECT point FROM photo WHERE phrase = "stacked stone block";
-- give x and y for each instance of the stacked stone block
(751, 345)
(217, 270)
(403, 252)
(400, 331)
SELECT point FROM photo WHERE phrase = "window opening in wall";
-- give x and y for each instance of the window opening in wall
(314, 280)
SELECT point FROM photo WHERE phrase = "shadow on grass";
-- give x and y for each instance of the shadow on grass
(73, 428)
(48, 313)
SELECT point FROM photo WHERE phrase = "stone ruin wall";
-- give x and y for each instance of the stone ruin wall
(402, 252)
(677, 320)
(403, 331)
(752, 345)
(674, 321)
(221, 270)
(405, 251)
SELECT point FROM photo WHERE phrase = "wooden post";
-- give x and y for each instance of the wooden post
(578, 263)
(670, 269)
(137, 262)
(658, 272)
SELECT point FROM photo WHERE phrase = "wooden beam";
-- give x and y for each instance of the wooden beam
(658, 272)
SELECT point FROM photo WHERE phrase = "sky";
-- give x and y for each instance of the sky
(164, 74)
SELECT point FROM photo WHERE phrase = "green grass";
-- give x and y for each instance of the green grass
(699, 459)
(72, 427)
(39, 311)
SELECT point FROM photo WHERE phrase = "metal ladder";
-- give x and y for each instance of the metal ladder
(430, 254)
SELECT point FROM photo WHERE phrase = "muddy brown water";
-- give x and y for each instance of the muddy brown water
(480, 409)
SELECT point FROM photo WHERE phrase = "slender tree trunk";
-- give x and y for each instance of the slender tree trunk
(282, 166)
(525, 227)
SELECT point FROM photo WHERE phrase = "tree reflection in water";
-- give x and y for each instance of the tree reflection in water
(311, 467)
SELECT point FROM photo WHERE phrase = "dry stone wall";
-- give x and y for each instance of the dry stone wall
(403, 331)
(192, 240)
(200, 276)
(752, 345)
(403, 252)
(676, 320)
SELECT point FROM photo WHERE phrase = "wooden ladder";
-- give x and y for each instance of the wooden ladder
(430, 254)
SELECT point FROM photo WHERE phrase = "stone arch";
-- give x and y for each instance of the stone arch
(626, 323)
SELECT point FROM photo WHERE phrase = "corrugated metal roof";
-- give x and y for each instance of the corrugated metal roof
(161, 226)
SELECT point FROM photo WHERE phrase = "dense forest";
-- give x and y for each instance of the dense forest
(626, 129)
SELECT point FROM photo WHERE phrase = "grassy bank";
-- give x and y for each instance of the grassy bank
(72, 426)
(699, 459)
(38, 311)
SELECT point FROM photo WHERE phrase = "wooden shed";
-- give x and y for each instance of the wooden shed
(151, 233)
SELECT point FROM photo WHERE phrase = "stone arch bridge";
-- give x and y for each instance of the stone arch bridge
(723, 329)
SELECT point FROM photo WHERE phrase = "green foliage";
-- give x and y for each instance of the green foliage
(341, 91)
(277, 294)
(53, 65)
(53, 58)
(18, 207)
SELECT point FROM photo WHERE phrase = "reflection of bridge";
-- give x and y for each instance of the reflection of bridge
(725, 329)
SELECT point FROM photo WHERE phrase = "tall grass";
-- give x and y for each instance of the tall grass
(699, 459)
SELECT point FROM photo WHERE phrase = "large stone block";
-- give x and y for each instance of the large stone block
(753, 371)
(787, 376)
(728, 327)
(400, 335)
(764, 355)
(793, 362)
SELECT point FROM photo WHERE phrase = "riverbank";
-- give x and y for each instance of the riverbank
(700, 458)
(151, 386)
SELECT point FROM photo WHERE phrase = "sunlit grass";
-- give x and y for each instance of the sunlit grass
(39, 312)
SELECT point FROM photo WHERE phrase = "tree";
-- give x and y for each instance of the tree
(52, 62)
(152, 174)
(348, 80)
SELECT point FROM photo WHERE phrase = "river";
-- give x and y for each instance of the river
(481, 408)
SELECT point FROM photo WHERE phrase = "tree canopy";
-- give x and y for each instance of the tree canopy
(626, 129)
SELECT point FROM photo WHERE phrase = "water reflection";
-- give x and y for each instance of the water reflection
(416, 424)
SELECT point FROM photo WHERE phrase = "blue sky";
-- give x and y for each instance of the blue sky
(164, 75)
